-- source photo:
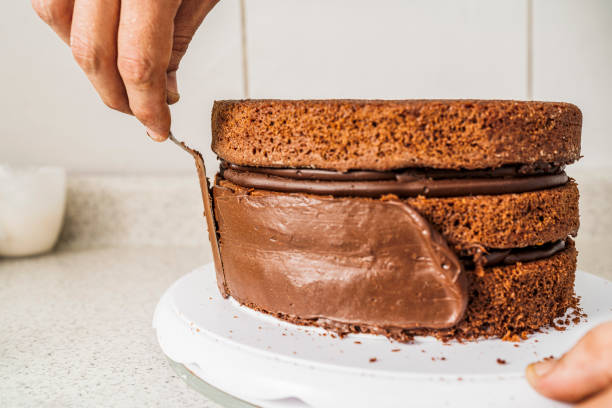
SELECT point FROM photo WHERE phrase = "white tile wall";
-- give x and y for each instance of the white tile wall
(302, 49)
(572, 46)
(387, 49)
(50, 114)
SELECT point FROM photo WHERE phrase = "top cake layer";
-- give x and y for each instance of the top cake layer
(384, 135)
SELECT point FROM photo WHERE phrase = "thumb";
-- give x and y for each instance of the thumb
(581, 372)
(188, 18)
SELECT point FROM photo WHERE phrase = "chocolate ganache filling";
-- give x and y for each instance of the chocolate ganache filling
(403, 183)
(492, 257)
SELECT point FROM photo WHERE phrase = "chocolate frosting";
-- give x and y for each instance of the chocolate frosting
(400, 174)
(493, 257)
(408, 183)
(357, 261)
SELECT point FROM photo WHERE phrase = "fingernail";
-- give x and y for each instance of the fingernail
(541, 368)
(158, 137)
(172, 93)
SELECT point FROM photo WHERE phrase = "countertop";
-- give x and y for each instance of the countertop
(75, 326)
(76, 329)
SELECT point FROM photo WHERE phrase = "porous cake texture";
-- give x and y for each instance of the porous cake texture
(382, 135)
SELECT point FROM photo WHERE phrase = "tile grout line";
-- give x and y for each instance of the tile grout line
(243, 41)
(529, 49)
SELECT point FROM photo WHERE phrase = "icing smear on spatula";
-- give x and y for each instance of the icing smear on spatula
(209, 212)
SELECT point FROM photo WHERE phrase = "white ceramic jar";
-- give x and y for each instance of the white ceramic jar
(32, 204)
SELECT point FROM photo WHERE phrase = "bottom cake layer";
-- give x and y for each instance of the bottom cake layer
(509, 302)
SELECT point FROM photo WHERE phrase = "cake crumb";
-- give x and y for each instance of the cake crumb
(443, 358)
(357, 342)
(235, 317)
(516, 345)
(423, 350)
(389, 197)
(513, 337)
(501, 361)
(373, 360)
(395, 350)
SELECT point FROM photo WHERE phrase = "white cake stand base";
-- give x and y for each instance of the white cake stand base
(271, 363)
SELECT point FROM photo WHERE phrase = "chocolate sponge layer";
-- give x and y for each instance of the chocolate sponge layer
(492, 221)
(516, 300)
(384, 135)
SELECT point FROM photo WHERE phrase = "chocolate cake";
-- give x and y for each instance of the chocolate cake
(449, 218)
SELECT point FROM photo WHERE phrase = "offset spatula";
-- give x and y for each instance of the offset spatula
(208, 210)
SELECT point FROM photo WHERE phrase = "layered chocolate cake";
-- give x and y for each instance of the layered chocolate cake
(449, 218)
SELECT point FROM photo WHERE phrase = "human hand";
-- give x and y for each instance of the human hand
(583, 375)
(129, 49)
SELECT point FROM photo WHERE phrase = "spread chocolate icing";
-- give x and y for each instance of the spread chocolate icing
(358, 261)
(406, 183)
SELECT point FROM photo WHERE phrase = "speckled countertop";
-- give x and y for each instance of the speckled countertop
(75, 325)
(76, 329)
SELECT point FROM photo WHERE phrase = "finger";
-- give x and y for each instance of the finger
(93, 40)
(601, 400)
(583, 371)
(144, 49)
(188, 18)
(172, 92)
(57, 14)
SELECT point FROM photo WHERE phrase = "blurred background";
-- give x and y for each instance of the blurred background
(559, 50)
